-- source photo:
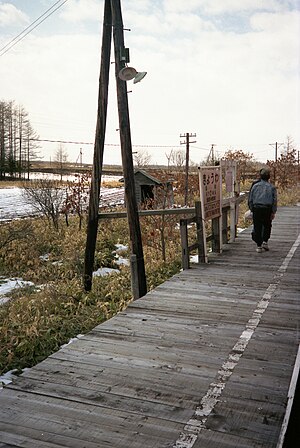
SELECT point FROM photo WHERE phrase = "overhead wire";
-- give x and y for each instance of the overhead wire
(30, 27)
(106, 144)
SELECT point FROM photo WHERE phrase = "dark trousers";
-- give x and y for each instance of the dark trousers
(262, 224)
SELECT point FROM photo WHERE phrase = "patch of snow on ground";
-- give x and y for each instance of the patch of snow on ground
(7, 378)
(122, 261)
(13, 204)
(101, 272)
(4, 300)
(121, 248)
(194, 258)
(73, 340)
(8, 285)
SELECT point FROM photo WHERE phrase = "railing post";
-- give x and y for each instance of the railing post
(237, 211)
(232, 220)
(134, 277)
(184, 244)
(215, 227)
(200, 234)
(225, 226)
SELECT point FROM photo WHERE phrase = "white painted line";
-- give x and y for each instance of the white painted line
(194, 426)
(291, 396)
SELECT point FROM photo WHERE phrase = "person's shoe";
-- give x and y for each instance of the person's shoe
(265, 246)
(259, 249)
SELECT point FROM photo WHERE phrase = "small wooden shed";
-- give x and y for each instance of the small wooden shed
(147, 186)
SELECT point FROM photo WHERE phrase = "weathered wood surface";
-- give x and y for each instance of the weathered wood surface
(170, 371)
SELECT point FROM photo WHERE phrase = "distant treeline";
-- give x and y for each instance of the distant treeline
(17, 145)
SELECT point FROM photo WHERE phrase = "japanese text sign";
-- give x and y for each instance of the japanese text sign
(210, 191)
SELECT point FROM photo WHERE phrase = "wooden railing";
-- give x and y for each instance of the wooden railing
(229, 230)
(229, 214)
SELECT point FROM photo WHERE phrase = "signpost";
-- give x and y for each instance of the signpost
(232, 188)
(210, 180)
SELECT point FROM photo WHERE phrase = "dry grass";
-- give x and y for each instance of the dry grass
(38, 320)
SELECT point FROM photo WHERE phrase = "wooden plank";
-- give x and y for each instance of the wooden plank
(219, 439)
(140, 378)
(54, 420)
(258, 420)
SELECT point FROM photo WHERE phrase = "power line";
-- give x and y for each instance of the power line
(106, 144)
(30, 27)
(204, 149)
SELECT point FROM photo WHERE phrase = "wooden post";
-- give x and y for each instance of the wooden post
(126, 149)
(215, 226)
(134, 277)
(200, 234)
(184, 244)
(225, 226)
(92, 224)
(232, 220)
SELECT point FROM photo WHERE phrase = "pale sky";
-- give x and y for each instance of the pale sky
(227, 70)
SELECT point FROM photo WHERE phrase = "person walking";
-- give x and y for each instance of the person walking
(263, 204)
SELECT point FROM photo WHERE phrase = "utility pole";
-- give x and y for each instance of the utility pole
(126, 150)
(113, 20)
(277, 145)
(92, 222)
(211, 155)
(187, 157)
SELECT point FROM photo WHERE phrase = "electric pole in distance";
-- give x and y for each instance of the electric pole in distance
(187, 157)
(277, 145)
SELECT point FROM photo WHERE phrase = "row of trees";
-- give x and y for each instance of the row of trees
(18, 146)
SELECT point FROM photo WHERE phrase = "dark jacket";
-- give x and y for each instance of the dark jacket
(263, 194)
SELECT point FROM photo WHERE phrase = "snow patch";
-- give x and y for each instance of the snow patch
(101, 272)
(8, 285)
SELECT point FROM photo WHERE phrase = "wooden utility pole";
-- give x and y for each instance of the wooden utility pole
(187, 157)
(113, 19)
(277, 145)
(126, 149)
(92, 224)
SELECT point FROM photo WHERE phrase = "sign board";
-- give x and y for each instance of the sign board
(229, 180)
(229, 167)
(211, 191)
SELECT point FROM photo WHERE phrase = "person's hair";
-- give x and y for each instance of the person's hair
(264, 174)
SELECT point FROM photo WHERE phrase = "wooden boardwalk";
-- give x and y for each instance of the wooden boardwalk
(204, 360)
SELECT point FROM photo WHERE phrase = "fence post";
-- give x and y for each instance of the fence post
(184, 244)
(134, 277)
(200, 234)
(215, 227)
(232, 220)
(225, 226)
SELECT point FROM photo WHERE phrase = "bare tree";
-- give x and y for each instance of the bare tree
(177, 158)
(17, 139)
(244, 162)
(285, 169)
(46, 197)
(76, 200)
(142, 158)
(31, 146)
(61, 157)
